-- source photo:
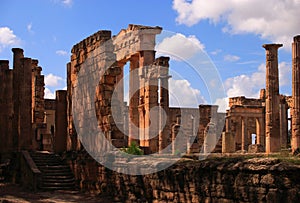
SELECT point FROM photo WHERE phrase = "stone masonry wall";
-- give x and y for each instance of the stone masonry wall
(213, 180)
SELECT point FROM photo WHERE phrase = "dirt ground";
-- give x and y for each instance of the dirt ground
(10, 193)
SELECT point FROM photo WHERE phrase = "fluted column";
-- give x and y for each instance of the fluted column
(133, 100)
(244, 133)
(295, 142)
(272, 99)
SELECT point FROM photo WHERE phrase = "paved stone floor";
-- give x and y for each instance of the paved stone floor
(10, 193)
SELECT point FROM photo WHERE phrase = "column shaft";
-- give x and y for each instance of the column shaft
(272, 99)
(244, 134)
(295, 141)
(133, 101)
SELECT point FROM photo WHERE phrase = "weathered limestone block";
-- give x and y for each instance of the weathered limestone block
(228, 142)
(256, 148)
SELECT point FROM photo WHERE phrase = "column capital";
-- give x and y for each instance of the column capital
(297, 38)
(17, 50)
(272, 46)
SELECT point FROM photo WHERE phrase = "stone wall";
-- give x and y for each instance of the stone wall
(213, 180)
(245, 101)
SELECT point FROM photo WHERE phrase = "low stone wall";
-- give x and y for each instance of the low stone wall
(212, 180)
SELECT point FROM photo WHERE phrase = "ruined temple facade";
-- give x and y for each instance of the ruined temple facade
(267, 117)
(30, 122)
(148, 89)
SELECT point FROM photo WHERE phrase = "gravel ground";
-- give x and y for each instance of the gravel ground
(10, 193)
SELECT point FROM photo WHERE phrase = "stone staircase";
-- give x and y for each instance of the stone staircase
(56, 175)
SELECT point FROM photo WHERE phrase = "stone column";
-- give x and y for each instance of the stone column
(244, 134)
(174, 132)
(25, 99)
(61, 126)
(283, 124)
(272, 99)
(148, 100)
(17, 55)
(163, 63)
(6, 107)
(260, 131)
(295, 142)
(133, 123)
(228, 142)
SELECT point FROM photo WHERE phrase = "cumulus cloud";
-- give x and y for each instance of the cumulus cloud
(231, 58)
(180, 47)
(183, 94)
(53, 80)
(277, 21)
(49, 94)
(61, 52)
(8, 38)
(285, 74)
(250, 85)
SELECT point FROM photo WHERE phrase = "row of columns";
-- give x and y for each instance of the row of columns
(143, 98)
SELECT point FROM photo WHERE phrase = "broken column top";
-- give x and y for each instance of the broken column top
(269, 46)
(4, 64)
(34, 62)
(17, 50)
(162, 61)
(297, 38)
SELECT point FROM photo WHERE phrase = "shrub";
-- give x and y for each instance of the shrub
(133, 149)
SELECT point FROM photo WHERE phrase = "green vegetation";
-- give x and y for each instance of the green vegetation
(133, 149)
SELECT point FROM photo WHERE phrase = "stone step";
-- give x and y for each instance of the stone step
(56, 175)
(58, 184)
(54, 168)
(50, 176)
(59, 180)
(56, 188)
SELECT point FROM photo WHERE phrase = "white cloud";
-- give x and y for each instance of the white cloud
(183, 95)
(53, 80)
(8, 38)
(29, 28)
(61, 52)
(274, 20)
(180, 47)
(49, 94)
(285, 74)
(216, 52)
(250, 85)
(222, 104)
(246, 85)
(231, 58)
(67, 2)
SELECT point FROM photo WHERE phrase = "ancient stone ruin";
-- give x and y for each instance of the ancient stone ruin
(28, 121)
(29, 124)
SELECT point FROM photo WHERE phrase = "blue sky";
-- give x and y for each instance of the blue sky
(230, 32)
